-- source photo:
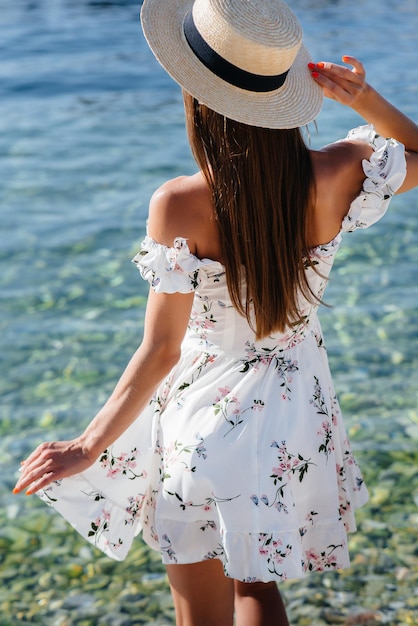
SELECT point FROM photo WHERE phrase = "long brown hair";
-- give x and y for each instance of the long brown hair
(262, 184)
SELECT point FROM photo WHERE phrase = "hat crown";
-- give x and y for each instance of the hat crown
(262, 37)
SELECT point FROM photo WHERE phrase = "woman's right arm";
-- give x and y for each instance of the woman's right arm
(349, 87)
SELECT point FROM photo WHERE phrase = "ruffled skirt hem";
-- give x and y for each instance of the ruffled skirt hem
(246, 556)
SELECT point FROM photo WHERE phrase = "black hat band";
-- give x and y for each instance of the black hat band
(224, 69)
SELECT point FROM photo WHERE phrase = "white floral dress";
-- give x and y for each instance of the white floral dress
(241, 454)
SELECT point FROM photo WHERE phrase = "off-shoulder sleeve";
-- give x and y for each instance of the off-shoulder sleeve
(384, 172)
(169, 270)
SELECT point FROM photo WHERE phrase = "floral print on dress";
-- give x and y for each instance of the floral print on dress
(289, 465)
(217, 553)
(242, 447)
(199, 363)
(204, 317)
(310, 520)
(205, 504)
(124, 464)
(167, 549)
(135, 504)
(48, 492)
(283, 365)
(325, 432)
(275, 553)
(322, 560)
(177, 452)
(230, 408)
(99, 527)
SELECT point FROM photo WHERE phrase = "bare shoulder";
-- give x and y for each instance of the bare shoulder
(349, 150)
(339, 178)
(343, 160)
(180, 208)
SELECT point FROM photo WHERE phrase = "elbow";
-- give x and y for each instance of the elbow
(165, 356)
(171, 359)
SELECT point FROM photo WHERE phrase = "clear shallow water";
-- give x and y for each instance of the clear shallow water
(89, 127)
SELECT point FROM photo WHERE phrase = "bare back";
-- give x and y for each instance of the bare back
(183, 206)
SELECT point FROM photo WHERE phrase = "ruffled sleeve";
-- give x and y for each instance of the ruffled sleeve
(169, 270)
(385, 173)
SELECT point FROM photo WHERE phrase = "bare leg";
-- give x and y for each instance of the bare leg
(202, 594)
(259, 604)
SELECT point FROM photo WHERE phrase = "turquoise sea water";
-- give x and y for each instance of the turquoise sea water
(89, 127)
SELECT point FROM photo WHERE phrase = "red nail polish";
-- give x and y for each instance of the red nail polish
(315, 74)
(320, 64)
(311, 66)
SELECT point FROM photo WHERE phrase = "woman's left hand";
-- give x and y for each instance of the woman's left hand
(52, 461)
(343, 84)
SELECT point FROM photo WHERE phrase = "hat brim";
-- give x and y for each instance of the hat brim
(296, 103)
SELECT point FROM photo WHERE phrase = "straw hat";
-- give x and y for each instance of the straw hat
(242, 58)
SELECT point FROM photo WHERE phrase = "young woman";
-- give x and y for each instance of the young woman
(223, 440)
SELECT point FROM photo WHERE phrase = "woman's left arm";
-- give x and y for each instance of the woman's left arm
(166, 321)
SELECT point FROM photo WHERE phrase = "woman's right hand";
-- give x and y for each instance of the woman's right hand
(346, 86)
(52, 461)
